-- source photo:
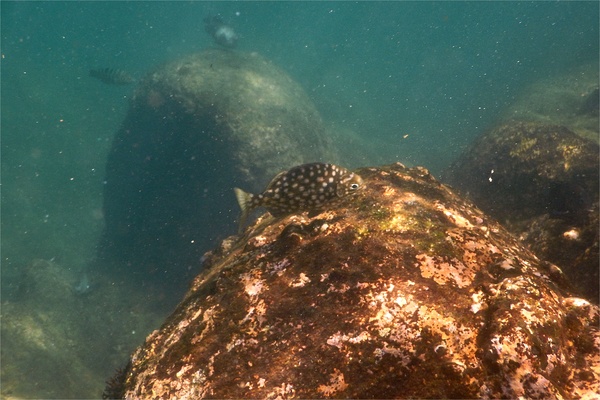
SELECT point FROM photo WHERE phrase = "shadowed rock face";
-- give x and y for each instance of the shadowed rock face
(541, 181)
(196, 128)
(405, 291)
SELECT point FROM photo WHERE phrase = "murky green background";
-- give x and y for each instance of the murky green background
(419, 80)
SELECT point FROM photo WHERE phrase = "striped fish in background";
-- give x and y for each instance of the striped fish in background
(112, 76)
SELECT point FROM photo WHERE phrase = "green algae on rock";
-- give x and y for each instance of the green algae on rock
(409, 291)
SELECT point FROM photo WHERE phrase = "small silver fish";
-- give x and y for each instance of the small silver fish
(223, 34)
(112, 76)
(307, 187)
(83, 286)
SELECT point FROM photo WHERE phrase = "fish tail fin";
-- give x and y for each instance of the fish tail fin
(243, 199)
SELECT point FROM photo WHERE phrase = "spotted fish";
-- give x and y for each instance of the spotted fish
(307, 187)
(112, 76)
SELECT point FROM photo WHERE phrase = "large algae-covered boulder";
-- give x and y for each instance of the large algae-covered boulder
(197, 127)
(405, 291)
(542, 182)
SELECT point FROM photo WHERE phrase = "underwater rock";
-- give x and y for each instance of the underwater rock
(58, 343)
(197, 127)
(40, 337)
(407, 291)
(569, 99)
(541, 181)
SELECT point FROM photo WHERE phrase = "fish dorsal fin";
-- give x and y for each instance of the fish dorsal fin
(277, 177)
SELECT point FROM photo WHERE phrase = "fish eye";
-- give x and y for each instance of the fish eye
(354, 186)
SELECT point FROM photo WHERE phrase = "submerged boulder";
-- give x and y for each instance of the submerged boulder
(405, 291)
(542, 182)
(569, 99)
(40, 337)
(59, 340)
(197, 127)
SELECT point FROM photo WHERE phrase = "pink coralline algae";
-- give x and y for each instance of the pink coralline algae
(406, 291)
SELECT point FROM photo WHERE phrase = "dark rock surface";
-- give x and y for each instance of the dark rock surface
(541, 181)
(196, 128)
(406, 291)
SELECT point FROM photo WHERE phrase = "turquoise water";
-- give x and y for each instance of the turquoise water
(416, 80)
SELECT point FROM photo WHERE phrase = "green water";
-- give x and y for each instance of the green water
(415, 81)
